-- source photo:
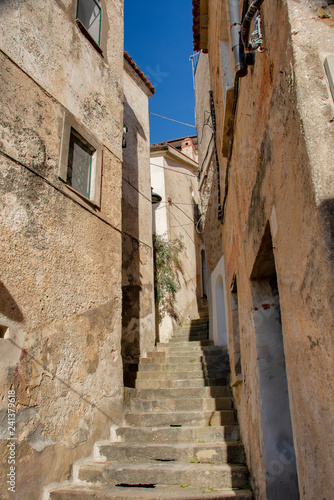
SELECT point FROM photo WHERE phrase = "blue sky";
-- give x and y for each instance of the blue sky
(158, 36)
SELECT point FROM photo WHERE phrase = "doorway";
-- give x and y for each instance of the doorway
(278, 445)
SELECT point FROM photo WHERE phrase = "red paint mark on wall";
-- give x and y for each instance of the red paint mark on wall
(266, 306)
(23, 355)
(256, 308)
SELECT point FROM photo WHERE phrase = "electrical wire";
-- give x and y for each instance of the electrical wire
(136, 189)
(59, 190)
(176, 171)
(172, 120)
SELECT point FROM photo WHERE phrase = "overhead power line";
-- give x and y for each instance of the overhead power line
(173, 170)
(172, 120)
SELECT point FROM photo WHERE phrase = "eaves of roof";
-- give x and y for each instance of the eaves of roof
(179, 140)
(168, 149)
(200, 25)
(139, 72)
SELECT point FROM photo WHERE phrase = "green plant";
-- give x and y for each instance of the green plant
(167, 271)
(183, 485)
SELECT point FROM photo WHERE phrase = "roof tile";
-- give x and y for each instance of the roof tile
(139, 72)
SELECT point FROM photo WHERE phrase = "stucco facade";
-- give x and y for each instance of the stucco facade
(174, 178)
(61, 251)
(138, 330)
(276, 228)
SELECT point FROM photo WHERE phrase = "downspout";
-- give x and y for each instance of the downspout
(240, 39)
(237, 46)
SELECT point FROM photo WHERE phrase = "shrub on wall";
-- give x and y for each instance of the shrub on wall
(167, 271)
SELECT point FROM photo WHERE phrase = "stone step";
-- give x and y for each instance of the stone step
(200, 325)
(178, 452)
(191, 333)
(200, 321)
(154, 354)
(197, 392)
(182, 404)
(191, 330)
(191, 365)
(194, 374)
(184, 492)
(199, 351)
(181, 383)
(187, 338)
(167, 473)
(188, 418)
(209, 352)
(200, 328)
(181, 348)
(184, 434)
(195, 343)
(195, 356)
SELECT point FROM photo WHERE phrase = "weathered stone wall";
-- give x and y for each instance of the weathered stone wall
(176, 217)
(207, 165)
(281, 181)
(138, 336)
(60, 289)
(182, 219)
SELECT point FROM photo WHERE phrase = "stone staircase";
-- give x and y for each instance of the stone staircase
(180, 439)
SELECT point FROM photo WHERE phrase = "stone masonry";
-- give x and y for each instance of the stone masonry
(180, 438)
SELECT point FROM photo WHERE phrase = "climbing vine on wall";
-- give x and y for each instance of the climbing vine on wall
(167, 272)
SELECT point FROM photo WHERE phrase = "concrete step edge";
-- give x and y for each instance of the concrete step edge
(161, 492)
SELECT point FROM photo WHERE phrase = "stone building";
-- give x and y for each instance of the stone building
(174, 178)
(138, 334)
(264, 107)
(61, 233)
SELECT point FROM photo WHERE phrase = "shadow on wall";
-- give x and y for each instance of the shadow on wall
(131, 248)
(8, 306)
(277, 433)
(201, 293)
(326, 209)
(220, 312)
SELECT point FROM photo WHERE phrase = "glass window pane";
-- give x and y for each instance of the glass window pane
(89, 13)
(79, 166)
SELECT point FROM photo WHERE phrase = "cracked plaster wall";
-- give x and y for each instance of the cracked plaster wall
(281, 172)
(60, 285)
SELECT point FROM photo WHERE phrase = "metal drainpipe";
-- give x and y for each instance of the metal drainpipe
(252, 10)
(237, 46)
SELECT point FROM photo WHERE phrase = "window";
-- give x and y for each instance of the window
(79, 167)
(80, 162)
(89, 15)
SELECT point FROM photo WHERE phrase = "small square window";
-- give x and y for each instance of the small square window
(79, 166)
(89, 13)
